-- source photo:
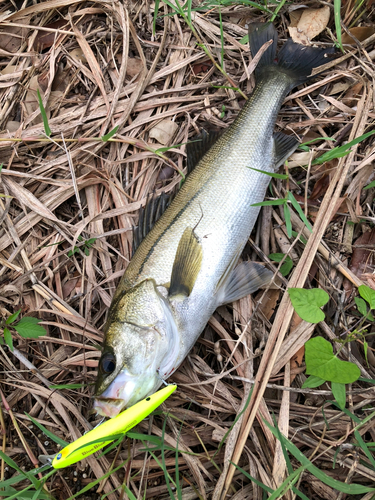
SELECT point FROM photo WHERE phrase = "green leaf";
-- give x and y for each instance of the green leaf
(44, 115)
(302, 239)
(364, 447)
(362, 308)
(110, 134)
(371, 185)
(338, 391)
(288, 223)
(29, 328)
(270, 174)
(307, 303)
(287, 265)
(48, 433)
(341, 151)
(312, 382)
(12, 317)
(1, 167)
(8, 339)
(268, 203)
(337, 16)
(13, 464)
(298, 208)
(351, 489)
(321, 361)
(368, 294)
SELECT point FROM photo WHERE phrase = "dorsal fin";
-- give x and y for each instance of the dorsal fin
(155, 206)
(149, 214)
(198, 147)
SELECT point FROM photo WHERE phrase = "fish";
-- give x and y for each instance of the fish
(186, 266)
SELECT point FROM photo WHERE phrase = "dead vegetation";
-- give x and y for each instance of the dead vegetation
(71, 201)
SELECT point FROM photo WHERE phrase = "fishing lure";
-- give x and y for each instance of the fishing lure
(95, 439)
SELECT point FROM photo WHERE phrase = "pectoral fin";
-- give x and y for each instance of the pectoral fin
(246, 278)
(186, 266)
(283, 146)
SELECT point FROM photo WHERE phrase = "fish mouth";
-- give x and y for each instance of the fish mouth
(108, 407)
(125, 391)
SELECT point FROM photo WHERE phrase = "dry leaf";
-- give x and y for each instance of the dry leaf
(12, 37)
(360, 33)
(311, 23)
(363, 260)
(164, 131)
(45, 39)
(299, 159)
(295, 16)
(134, 67)
(12, 126)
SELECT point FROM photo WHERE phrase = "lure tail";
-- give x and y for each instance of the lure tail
(293, 59)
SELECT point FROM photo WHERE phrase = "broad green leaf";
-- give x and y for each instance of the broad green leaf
(350, 489)
(287, 264)
(29, 328)
(338, 391)
(312, 382)
(47, 130)
(268, 203)
(368, 294)
(321, 361)
(12, 317)
(110, 134)
(307, 303)
(8, 339)
(270, 174)
(362, 308)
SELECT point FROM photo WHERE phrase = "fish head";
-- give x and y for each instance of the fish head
(141, 343)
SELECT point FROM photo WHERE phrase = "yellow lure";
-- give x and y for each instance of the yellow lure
(84, 446)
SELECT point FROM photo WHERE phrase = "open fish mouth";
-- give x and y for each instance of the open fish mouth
(108, 407)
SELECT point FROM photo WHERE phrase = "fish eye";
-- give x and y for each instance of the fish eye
(107, 363)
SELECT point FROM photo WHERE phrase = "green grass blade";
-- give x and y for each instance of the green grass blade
(268, 203)
(364, 447)
(47, 130)
(48, 433)
(288, 223)
(270, 174)
(110, 134)
(350, 489)
(35, 482)
(258, 483)
(337, 14)
(298, 208)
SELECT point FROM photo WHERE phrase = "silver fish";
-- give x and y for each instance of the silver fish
(185, 267)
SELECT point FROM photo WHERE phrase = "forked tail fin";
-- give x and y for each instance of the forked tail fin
(294, 59)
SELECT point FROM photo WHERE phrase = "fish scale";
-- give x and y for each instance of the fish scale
(185, 266)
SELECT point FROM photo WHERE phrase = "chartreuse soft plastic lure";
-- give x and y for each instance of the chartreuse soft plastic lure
(107, 432)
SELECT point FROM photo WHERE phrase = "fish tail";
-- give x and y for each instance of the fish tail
(293, 59)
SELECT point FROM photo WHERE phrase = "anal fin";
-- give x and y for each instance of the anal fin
(186, 266)
(283, 146)
(246, 278)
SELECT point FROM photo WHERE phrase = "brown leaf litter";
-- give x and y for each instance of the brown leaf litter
(99, 65)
